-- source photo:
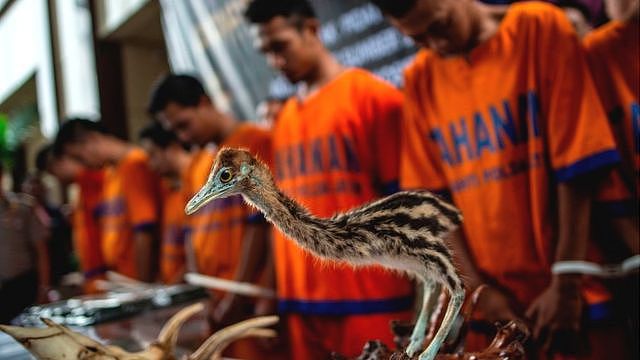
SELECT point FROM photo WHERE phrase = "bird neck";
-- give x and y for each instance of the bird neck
(289, 217)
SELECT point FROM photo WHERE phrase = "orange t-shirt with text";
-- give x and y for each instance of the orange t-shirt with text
(130, 203)
(498, 130)
(334, 151)
(173, 230)
(613, 54)
(217, 230)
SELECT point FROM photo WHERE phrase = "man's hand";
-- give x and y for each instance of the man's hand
(557, 309)
(495, 306)
(228, 310)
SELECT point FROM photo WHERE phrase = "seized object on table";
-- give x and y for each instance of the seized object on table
(59, 342)
(236, 287)
(120, 302)
(404, 231)
(507, 345)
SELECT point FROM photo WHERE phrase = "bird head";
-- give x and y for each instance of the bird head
(234, 172)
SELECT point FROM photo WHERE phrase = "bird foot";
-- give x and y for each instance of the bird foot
(414, 346)
(429, 354)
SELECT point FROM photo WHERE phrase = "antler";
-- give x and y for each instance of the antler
(59, 342)
(218, 341)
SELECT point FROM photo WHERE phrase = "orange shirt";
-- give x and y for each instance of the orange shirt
(86, 230)
(172, 252)
(498, 131)
(130, 203)
(613, 53)
(334, 151)
(217, 230)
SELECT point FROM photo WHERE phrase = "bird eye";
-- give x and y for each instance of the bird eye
(225, 175)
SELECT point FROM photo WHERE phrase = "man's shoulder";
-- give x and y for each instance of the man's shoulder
(602, 36)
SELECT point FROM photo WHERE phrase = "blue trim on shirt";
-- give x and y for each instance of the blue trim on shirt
(95, 272)
(616, 208)
(145, 226)
(256, 218)
(390, 187)
(600, 312)
(587, 164)
(346, 307)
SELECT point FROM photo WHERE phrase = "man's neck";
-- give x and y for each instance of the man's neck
(487, 22)
(328, 69)
(183, 161)
(226, 127)
(118, 149)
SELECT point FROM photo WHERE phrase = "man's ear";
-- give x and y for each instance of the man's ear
(204, 100)
(312, 26)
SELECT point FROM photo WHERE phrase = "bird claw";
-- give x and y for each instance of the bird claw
(414, 347)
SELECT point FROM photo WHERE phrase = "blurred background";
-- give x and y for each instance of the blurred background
(80, 58)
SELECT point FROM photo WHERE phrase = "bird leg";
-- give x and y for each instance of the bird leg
(455, 303)
(430, 288)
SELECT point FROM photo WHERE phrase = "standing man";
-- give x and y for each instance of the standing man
(230, 240)
(336, 147)
(169, 159)
(24, 261)
(503, 116)
(129, 210)
(84, 223)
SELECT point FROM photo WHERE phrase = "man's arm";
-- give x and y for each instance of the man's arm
(44, 276)
(40, 235)
(559, 307)
(493, 304)
(251, 262)
(147, 253)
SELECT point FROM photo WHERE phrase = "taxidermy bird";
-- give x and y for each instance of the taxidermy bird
(404, 231)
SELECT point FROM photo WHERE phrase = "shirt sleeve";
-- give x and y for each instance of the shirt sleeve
(579, 139)
(420, 160)
(141, 196)
(383, 111)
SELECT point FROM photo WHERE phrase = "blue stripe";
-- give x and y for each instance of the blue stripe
(390, 187)
(345, 307)
(256, 218)
(588, 164)
(145, 226)
(616, 209)
(95, 272)
(600, 312)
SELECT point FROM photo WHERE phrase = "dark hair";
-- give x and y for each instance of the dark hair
(75, 130)
(184, 90)
(578, 5)
(43, 157)
(262, 11)
(395, 8)
(158, 135)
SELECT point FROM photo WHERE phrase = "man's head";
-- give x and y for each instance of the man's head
(84, 141)
(164, 149)
(181, 104)
(288, 35)
(62, 166)
(448, 27)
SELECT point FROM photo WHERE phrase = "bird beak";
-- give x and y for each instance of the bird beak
(206, 194)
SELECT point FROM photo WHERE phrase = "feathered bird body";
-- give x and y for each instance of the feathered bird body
(405, 231)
